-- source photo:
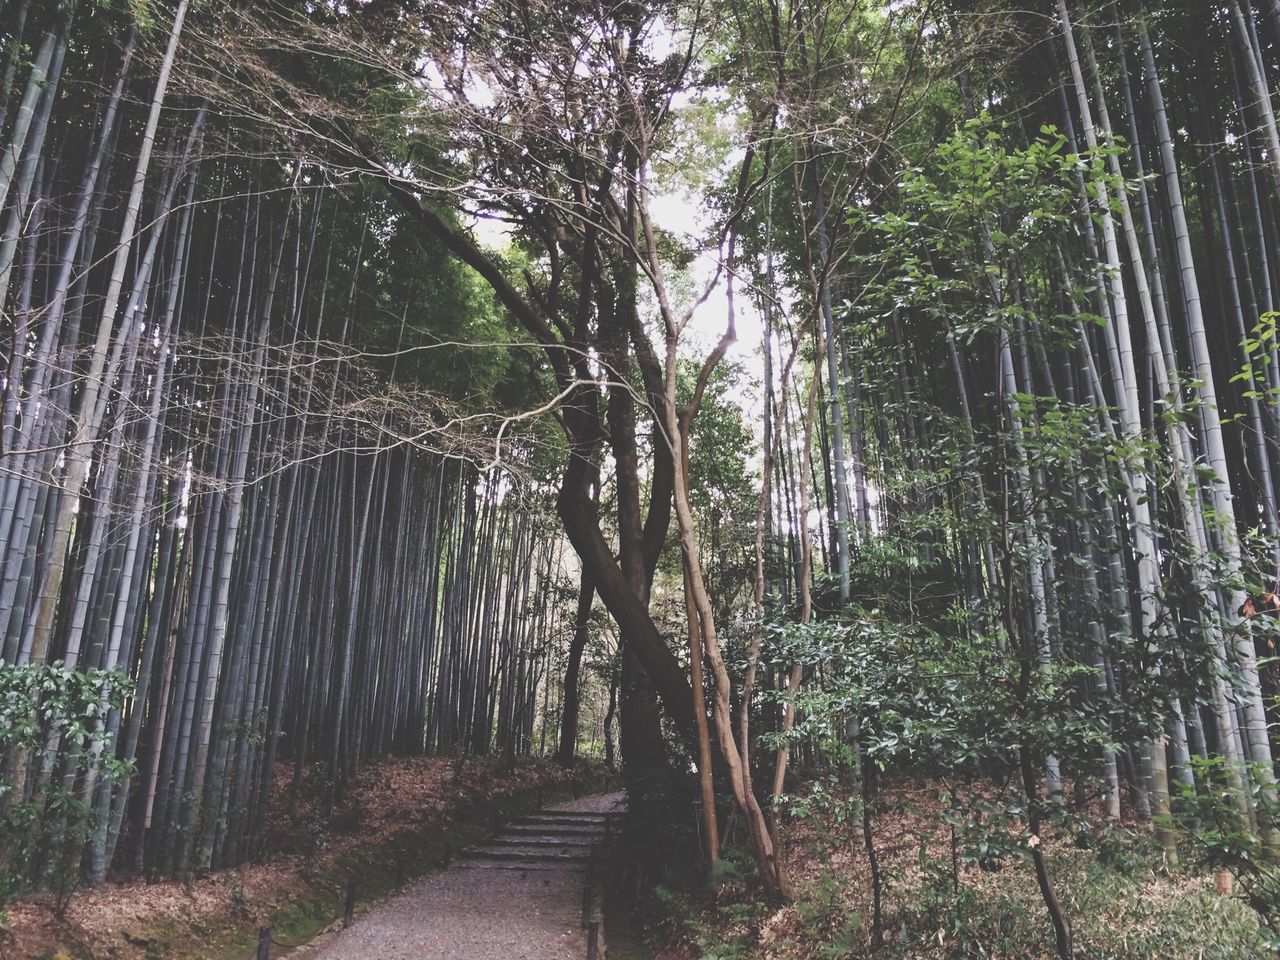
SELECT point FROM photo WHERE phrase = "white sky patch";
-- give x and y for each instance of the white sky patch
(478, 92)
(681, 212)
(490, 233)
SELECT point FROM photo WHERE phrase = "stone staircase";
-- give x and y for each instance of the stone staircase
(551, 837)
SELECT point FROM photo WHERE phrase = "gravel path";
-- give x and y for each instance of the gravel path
(477, 910)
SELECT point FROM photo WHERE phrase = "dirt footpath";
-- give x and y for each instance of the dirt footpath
(522, 901)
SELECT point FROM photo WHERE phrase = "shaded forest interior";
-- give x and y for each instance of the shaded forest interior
(780, 402)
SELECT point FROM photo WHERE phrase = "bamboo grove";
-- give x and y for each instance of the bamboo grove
(285, 443)
(233, 531)
(1053, 417)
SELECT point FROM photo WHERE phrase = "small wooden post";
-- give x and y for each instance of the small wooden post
(348, 913)
(264, 943)
(586, 897)
(1223, 882)
(593, 940)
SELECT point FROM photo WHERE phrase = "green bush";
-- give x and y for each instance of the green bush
(42, 834)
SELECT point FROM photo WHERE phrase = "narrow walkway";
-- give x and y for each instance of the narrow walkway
(518, 897)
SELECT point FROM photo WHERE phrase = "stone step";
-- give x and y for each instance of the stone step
(530, 852)
(534, 866)
(561, 821)
(543, 840)
(553, 830)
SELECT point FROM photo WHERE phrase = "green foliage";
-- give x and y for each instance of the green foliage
(959, 921)
(897, 695)
(965, 224)
(724, 872)
(1116, 847)
(42, 704)
(822, 910)
(1260, 351)
(1218, 840)
(432, 321)
(720, 486)
(54, 700)
(143, 13)
(721, 917)
(1118, 915)
(910, 694)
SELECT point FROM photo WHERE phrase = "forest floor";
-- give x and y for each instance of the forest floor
(398, 819)
(1122, 904)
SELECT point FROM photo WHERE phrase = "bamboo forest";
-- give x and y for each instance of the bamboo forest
(673, 479)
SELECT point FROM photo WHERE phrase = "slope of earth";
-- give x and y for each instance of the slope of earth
(1122, 903)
